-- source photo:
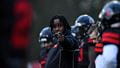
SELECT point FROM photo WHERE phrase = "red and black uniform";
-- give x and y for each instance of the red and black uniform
(99, 48)
(43, 55)
(91, 53)
(84, 51)
(43, 61)
(112, 36)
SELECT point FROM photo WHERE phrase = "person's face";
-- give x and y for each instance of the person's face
(58, 26)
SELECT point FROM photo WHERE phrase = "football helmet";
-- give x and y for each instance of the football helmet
(45, 35)
(110, 14)
(83, 24)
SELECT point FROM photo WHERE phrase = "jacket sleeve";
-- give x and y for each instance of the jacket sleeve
(69, 43)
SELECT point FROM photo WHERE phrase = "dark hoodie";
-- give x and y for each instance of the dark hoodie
(63, 54)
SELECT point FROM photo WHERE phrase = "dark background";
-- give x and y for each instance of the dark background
(71, 9)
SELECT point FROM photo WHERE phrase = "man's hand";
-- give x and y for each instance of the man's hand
(59, 36)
